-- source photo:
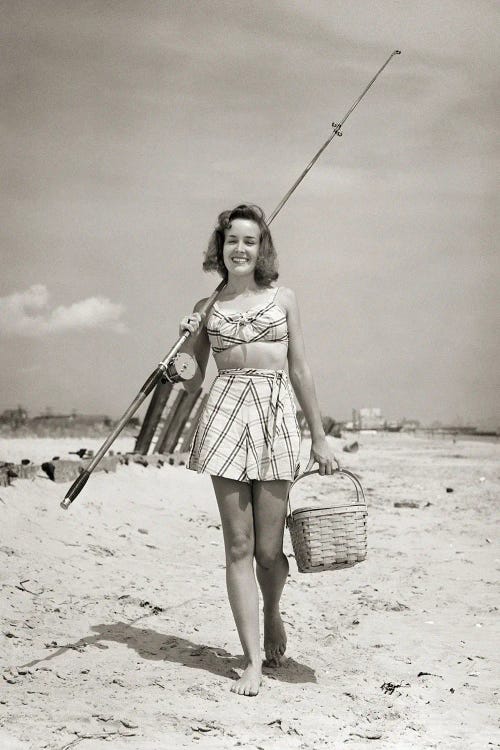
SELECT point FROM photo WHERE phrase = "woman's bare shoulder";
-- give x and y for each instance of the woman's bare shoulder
(287, 298)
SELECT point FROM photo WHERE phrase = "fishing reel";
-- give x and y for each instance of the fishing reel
(179, 368)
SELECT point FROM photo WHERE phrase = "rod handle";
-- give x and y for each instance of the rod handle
(75, 489)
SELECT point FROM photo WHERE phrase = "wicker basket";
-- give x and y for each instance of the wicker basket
(329, 538)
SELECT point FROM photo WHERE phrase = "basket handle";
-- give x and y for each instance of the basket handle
(345, 472)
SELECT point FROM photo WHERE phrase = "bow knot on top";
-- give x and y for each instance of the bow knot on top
(241, 318)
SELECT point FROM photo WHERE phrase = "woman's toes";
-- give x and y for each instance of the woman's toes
(249, 682)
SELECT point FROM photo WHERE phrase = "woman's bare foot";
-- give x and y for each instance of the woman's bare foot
(249, 682)
(274, 638)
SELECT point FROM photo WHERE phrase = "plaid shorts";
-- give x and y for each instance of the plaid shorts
(248, 429)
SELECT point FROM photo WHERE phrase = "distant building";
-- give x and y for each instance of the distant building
(367, 418)
(14, 417)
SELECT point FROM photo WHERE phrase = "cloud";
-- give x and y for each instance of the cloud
(26, 313)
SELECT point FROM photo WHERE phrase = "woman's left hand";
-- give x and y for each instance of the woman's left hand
(323, 455)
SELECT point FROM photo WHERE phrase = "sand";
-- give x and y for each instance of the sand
(117, 633)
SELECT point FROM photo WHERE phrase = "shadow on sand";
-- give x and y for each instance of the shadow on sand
(149, 644)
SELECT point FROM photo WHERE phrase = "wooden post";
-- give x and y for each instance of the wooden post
(169, 419)
(153, 415)
(178, 422)
(188, 435)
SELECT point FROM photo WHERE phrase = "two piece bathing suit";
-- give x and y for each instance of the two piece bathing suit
(248, 429)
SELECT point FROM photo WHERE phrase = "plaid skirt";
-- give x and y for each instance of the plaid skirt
(248, 429)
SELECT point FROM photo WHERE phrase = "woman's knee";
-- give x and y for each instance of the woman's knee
(267, 557)
(240, 547)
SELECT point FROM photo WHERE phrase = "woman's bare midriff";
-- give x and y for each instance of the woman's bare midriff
(259, 355)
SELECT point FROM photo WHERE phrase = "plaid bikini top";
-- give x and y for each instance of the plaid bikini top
(259, 323)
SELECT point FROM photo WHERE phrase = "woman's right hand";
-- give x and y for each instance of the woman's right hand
(190, 323)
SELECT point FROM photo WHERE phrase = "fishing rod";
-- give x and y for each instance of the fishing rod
(177, 366)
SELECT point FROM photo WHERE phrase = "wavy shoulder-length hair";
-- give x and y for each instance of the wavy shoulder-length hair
(266, 268)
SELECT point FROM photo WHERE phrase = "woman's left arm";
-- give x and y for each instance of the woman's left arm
(303, 384)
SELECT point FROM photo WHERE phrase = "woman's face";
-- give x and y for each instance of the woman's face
(241, 246)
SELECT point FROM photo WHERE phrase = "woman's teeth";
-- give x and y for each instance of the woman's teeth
(239, 260)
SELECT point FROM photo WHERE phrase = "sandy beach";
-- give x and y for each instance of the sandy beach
(116, 631)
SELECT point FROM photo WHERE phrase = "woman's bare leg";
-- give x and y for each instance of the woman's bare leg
(269, 509)
(235, 507)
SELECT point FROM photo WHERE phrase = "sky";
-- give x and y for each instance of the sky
(127, 126)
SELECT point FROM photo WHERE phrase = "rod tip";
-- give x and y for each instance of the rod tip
(397, 52)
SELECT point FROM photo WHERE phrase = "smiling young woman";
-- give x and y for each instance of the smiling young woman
(248, 438)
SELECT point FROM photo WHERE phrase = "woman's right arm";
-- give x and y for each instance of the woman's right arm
(197, 346)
